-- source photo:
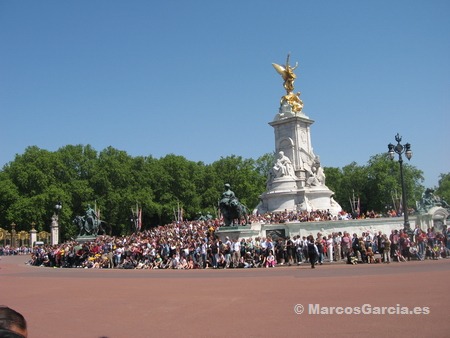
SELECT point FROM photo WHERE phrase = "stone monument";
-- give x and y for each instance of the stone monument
(54, 228)
(296, 182)
(232, 210)
(433, 211)
(89, 225)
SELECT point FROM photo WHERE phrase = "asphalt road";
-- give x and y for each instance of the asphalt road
(369, 299)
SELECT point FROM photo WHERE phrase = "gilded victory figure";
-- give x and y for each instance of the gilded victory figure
(288, 75)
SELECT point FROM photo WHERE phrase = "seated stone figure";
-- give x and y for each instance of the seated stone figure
(283, 166)
(315, 173)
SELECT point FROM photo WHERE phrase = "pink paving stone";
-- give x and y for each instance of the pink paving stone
(227, 303)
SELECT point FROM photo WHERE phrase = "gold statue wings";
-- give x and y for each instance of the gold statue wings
(282, 71)
(287, 73)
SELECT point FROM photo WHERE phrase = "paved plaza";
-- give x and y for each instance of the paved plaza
(230, 303)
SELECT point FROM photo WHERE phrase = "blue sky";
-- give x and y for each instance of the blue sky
(194, 78)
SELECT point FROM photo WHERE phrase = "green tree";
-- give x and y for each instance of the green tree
(36, 176)
(383, 182)
(443, 189)
(9, 194)
(264, 163)
(246, 182)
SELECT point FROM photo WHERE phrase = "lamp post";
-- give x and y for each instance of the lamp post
(58, 208)
(401, 149)
(55, 224)
(13, 235)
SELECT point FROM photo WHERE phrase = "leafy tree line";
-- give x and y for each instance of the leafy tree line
(377, 184)
(35, 181)
(78, 175)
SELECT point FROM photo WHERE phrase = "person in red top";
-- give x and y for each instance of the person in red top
(394, 242)
(346, 244)
(421, 241)
(406, 244)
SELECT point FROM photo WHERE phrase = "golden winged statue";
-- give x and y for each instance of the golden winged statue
(288, 75)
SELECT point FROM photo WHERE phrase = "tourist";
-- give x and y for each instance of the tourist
(305, 248)
(355, 244)
(370, 255)
(313, 251)
(248, 260)
(270, 261)
(330, 247)
(352, 257)
(393, 238)
(213, 248)
(414, 252)
(379, 239)
(298, 247)
(387, 249)
(221, 261)
(280, 251)
(290, 251)
(346, 244)
(236, 255)
(362, 250)
(320, 249)
(337, 239)
(12, 323)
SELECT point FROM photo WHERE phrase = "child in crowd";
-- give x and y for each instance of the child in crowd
(369, 253)
(270, 261)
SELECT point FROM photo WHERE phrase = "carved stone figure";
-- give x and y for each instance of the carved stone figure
(316, 175)
(283, 166)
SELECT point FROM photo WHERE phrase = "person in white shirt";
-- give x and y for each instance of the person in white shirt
(330, 245)
(236, 247)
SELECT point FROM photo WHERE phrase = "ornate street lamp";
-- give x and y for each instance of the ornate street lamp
(13, 235)
(401, 149)
(55, 224)
(58, 208)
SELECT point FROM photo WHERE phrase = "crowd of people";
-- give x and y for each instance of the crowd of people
(316, 216)
(195, 245)
(399, 246)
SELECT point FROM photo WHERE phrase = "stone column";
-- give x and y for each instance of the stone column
(33, 235)
(13, 235)
(55, 230)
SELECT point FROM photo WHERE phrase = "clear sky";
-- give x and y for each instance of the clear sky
(194, 78)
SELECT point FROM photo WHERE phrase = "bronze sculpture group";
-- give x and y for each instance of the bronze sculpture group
(90, 224)
(232, 210)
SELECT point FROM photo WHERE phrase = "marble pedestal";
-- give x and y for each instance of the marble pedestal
(298, 199)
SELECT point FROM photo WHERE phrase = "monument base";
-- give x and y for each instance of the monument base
(84, 239)
(435, 217)
(291, 229)
(291, 198)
